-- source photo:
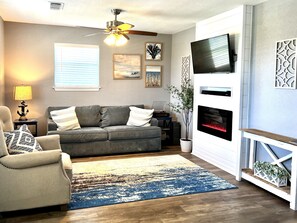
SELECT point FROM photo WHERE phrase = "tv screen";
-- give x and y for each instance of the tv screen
(212, 55)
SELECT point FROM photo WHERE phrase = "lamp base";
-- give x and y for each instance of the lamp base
(23, 113)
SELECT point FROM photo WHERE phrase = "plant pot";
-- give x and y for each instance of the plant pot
(279, 182)
(186, 145)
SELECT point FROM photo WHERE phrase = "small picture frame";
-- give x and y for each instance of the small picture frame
(126, 66)
(153, 51)
(153, 76)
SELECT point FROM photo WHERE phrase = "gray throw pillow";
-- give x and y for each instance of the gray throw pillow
(21, 141)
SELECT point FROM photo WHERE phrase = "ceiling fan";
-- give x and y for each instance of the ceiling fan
(117, 31)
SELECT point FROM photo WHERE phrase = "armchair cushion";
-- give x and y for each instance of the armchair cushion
(21, 141)
(49, 142)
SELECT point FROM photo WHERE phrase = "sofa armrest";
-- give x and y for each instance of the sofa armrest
(30, 160)
(51, 125)
(154, 122)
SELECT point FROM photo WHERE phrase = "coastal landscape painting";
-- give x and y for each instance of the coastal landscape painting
(126, 66)
(153, 76)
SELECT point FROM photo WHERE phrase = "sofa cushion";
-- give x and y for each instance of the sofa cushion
(140, 117)
(86, 134)
(88, 116)
(132, 132)
(65, 119)
(21, 141)
(115, 115)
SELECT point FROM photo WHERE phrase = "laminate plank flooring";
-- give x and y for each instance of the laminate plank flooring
(247, 204)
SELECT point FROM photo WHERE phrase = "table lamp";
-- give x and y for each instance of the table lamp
(22, 93)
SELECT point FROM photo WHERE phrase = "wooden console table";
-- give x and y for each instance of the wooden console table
(266, 139)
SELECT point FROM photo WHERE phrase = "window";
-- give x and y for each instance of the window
(76, 67)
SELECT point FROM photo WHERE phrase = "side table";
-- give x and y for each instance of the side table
(30, 122)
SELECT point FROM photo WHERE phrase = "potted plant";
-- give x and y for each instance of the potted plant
(271, 173)
(184, 106)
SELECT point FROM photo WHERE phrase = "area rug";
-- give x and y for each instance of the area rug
(99, 183)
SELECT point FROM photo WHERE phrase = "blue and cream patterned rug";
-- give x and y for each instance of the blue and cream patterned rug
(99, 183)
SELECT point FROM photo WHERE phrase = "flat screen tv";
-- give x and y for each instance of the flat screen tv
(212, 55)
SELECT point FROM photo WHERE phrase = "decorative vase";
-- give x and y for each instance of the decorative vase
(186, 145)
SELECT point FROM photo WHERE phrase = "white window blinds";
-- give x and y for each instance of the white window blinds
(76, 67)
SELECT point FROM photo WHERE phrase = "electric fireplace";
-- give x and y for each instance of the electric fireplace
(214, 121)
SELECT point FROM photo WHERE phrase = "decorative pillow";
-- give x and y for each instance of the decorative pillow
(65, 119)
(21, 141)
(140, 117)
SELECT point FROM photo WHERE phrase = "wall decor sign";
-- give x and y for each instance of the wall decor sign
(285, 67)
(153, 51)
(126, 66)
(153, 76)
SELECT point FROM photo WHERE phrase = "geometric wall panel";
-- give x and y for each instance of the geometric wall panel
(185, 69)
(285, 67)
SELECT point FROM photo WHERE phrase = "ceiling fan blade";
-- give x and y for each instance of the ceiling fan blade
(137, 32)
(125, 26)
(92, 34)
(127, 37)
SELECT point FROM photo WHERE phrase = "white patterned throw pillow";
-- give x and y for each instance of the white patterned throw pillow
(140, 117)
(65, 119)
(21, 141)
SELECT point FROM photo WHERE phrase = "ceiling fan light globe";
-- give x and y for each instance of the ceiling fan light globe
(110, 39)
(115, 39)
(120, 40)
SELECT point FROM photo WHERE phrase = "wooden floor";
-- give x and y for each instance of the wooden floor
(247, 204)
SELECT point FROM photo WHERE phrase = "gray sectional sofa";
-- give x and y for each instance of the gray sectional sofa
(104, 131)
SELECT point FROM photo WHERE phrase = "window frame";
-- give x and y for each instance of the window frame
(58, 46)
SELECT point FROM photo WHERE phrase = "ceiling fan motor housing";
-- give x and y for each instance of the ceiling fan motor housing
(113, 23)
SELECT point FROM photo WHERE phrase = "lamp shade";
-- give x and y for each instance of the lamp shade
(22, 93)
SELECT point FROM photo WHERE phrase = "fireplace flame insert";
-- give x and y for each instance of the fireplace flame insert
(214, 121)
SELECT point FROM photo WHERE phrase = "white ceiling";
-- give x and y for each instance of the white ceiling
(161, 16)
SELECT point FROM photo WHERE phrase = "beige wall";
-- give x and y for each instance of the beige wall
(29, 51)
(181, 47)
(1, 61)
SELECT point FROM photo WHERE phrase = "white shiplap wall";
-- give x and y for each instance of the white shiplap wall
(220, 152)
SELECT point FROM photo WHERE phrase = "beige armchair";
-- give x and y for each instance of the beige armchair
(36, 179)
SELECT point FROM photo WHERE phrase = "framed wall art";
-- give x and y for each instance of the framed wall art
(126, 66)
(153, 76)
(153, 51)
